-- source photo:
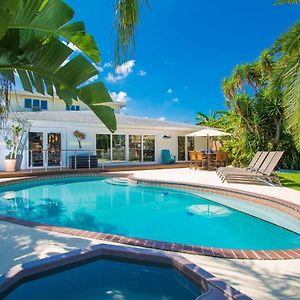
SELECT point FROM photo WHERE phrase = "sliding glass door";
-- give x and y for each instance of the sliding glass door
(118, 148)
(135, 148)
(103, 145)
(148, 148)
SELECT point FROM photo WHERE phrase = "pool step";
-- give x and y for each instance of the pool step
(117, 181)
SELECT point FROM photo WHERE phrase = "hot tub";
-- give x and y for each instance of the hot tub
(113, 272)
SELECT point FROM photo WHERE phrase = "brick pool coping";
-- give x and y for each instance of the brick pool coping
(210, 286)
(282, 205)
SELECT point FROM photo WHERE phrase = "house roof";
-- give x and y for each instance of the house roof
(90, 118)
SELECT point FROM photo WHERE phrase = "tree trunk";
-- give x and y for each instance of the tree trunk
(276, 139)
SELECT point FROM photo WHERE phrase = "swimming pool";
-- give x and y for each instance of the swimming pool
(149, 212)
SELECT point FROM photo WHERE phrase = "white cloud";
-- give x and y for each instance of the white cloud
(120, 97)
(108, 65)
(113, 78)
(121, 71)
(169, 91)
(175, 100)
(162, 119)
(142, 73)
(125, 68)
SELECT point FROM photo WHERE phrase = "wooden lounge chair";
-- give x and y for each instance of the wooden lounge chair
(250, 166)
(263, 174)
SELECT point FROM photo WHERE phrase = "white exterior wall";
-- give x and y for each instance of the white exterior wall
(69, 142)
(54, 104)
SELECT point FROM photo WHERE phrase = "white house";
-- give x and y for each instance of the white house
(50, 141)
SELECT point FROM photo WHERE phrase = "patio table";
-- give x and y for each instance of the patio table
(209, 158)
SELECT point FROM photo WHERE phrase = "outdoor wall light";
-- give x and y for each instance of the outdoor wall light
(166, 136)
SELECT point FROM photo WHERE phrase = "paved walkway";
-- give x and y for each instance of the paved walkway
(258, 279)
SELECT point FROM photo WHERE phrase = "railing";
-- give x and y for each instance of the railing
(82, 158)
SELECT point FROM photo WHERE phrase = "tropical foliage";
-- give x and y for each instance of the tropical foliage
(126, 19)
(51, 54)
(263, 100)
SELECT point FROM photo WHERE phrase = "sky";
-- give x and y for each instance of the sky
(183, 51)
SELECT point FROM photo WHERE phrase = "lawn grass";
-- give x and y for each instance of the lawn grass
(290, 180)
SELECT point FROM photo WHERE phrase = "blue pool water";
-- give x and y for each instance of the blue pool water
(109, 280)
(141, 211)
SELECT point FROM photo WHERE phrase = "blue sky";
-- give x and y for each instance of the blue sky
(183, 50)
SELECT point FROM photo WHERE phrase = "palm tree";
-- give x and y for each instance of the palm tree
(287, 2)
(287, 77)
(126, 19)
(35, 39)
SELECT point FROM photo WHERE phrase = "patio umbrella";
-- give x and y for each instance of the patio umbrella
(208, 132)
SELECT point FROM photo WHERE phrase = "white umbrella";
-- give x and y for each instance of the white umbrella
(208, 132)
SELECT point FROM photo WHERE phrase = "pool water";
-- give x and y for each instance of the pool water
(170, 215)
(109, 280)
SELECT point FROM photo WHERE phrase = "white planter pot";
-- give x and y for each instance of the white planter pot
(10, 165)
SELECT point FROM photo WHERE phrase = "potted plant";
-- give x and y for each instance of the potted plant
(80, 136)
(12, 141)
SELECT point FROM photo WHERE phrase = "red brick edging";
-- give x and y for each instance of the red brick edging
(167, 246)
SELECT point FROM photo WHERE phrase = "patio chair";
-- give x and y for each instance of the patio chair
(263, 174)
(193, 159)
(167, 158)
(201, 161)
(224, 160)
(219, 159)
(255, 163)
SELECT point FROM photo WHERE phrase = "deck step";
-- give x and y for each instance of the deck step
(117, 181)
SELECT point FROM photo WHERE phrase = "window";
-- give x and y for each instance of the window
(103, 147)
(27, 103)
(181, 148)
(148, 148)
(135, 148)
(118, 148)
(35, 104)
(73, 107)
(44, 104)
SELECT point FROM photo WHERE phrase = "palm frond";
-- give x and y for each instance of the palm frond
(287, 2)
(32, 47)
(125, 22)
(43, 18)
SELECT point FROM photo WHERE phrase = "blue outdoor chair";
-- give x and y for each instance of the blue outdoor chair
(167, 158)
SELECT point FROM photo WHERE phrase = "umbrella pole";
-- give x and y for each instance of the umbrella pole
(207, 144)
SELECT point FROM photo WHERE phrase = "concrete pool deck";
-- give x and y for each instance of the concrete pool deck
(187, 176)
(258, 279)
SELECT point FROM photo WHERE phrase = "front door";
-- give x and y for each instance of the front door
(54, 149)
(44, 149)
(36, 146)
